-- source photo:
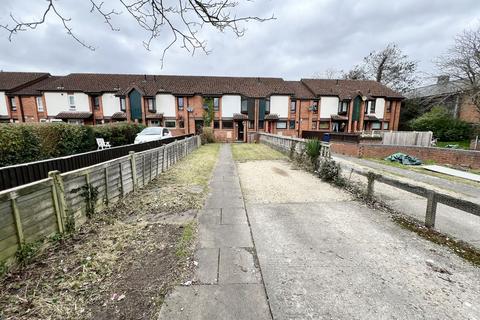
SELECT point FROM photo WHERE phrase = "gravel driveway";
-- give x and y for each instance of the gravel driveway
(325, 256)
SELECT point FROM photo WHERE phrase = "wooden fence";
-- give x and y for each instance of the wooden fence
(408, 138)
(17, 175)
(285, 144)
(53, 205)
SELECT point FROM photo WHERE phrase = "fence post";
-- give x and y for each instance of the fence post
(151, 165)
(431, 211)
(163, 158)
(122, 192)
(371, 184)
(143, 170)
(61, 200)
(158, 161)
(56, 204)
(134, 170)
(106, 185)
(17, 218)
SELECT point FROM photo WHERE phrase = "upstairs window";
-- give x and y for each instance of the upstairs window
(315, 107)
(123, 104)
(13, 104)
(96, 102)
(267, 106)
(71, 102)
(370, 106)
(151, 104)
(244, 107)
(39, 104)
(216, 104)
(343, 106)
(293, 106)
(180, 103)
(389, 106)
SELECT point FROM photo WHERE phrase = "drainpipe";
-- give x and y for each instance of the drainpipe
(299, 116)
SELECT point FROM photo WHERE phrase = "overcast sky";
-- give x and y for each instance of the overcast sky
(307, 38)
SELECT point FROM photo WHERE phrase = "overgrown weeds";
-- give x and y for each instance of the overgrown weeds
(312, 149)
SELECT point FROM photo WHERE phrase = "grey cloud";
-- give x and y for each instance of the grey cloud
(307, 37)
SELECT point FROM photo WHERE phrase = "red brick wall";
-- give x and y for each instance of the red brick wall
(465, 158)
(469, 112)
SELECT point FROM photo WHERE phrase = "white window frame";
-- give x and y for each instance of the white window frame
(283, 124)
(171, 121)
(39, 104)
(71, 102)
(154, 123)
(386, 126)
(75, 121)
(123, 104)
(13, 104)
(151, 105)
(376, 125)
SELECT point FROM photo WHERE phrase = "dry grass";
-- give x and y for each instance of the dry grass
(252, 151)
(121, 263)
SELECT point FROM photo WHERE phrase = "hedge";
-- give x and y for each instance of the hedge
(20, 143)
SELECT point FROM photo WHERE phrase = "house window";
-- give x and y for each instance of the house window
(251, 124)
(370, 106)
(123, 104)
(324, 125)
(291, 124)
(216, 104)
(314, 125)
(180, 103)
(267, 106)
(282, 125)
(389, 106)
(13, 104)
(376, 126)
(227, 124)
(170, 123)
(75, 121)
(43, 120)
(39, 104)
(71, 102)
(216, 124)
(154, 123)
(244, 107)
(181, 124)
(260, 124)
(343, 106)
(386, 125)
(315, 107)
(151, 104)
(96, 102)
(293, 106)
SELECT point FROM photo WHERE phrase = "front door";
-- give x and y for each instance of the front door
(135, 105)
(198, 126)
(240, 131)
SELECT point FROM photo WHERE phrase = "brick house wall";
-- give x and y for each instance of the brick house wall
(468, 111)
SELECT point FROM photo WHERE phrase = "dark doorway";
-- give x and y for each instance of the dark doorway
(240, 131)
(198, 126)
(135, 105)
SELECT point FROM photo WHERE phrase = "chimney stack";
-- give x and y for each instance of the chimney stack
(444, 79)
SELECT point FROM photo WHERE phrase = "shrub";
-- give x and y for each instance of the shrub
(443, 125)
(312, 149)
(329, 171)
(18, 143)
(207, 135)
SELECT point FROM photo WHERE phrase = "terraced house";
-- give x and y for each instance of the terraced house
(239, 105)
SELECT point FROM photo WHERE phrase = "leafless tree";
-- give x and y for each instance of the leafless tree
(389, 66)
(462, 63)
(182, 19)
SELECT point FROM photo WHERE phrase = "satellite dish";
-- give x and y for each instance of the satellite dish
(364, 98)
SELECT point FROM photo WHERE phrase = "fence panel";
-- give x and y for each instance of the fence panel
(43, 208)
(408, 138)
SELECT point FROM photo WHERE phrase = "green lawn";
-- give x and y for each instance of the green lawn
(253, 151)
(463, 144)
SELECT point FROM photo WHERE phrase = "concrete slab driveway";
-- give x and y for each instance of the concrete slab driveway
(324, 256)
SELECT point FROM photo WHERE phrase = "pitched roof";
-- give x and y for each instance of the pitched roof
(74, 115)
(150, 85)
(438, 89)
(300, 90)
(348, 89)
(13, 80)
(34, 89)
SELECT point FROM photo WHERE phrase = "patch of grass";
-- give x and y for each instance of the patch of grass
(255, 151)
(185, 243)
(462, 144)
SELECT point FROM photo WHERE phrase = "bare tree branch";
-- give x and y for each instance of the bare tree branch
(181, 19)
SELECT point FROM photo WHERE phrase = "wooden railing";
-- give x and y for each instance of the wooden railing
(56, 204)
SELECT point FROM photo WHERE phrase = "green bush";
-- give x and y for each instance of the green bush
(312, 149)
(207, 135)
(443, 125)
(20, 143)
(329, 171)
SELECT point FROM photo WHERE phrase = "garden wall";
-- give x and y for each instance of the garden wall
(59, 203)
(464, 158)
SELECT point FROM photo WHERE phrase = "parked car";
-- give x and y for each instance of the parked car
(152, 134)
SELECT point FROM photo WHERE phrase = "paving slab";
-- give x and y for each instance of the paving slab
(222, 302)
(234, 216)
(237, 265)
(209, 216)
(207, 268)
(453, 172)
(224, 236)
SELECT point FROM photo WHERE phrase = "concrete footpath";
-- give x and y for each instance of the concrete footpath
(454, 222)
(228, 283)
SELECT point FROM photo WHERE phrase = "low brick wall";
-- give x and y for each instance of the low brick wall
(464, 158)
